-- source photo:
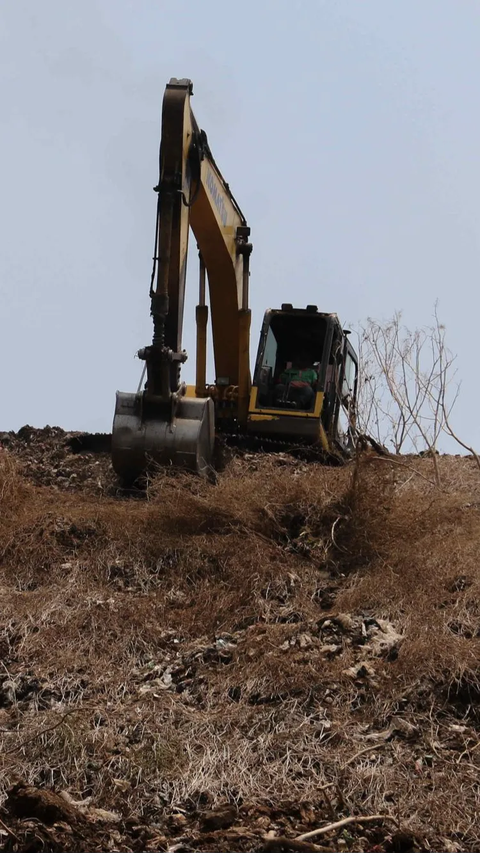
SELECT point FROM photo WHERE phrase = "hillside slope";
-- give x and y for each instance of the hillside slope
(204, 664)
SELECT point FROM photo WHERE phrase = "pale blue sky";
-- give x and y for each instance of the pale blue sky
(349, 132)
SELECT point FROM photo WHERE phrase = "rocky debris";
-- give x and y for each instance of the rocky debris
(24, 690)
(40, 819)
(404, 728)
(183, 668)
(37, 819)
(46, 458)
(360, 671)
(86, 807)
(382, 639)
(333, 635)
(399, 727)
(376, 637)
(459, 583)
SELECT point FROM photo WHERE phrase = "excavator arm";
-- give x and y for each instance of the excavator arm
(161, 422)
(222, 236)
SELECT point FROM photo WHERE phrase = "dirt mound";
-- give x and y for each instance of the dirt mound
(46, 459)
(290, 648)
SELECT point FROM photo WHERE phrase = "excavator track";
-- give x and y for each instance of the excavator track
(102, 442)
(300, 450)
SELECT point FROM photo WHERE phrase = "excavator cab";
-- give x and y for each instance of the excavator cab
(305, 379)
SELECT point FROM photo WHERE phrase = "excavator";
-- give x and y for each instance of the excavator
(304, 383)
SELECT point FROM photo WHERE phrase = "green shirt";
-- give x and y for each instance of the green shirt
(294, 375)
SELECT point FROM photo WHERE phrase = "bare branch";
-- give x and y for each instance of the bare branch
(406, 390)
(344, 822)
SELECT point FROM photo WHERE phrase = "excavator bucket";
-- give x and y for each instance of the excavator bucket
(145, 433)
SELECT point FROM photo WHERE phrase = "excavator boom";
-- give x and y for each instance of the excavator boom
(161, 423)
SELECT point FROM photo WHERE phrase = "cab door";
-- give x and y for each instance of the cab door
(347, 398)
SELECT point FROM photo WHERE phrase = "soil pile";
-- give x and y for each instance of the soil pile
(232, 666)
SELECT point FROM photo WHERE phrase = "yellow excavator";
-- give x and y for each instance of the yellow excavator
(305, 378)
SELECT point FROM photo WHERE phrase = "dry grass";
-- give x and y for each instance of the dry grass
(186, 646)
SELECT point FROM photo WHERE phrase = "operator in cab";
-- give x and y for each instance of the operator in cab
(296, 383)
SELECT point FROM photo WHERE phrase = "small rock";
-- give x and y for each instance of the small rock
(104, 816)
(177, 821)
(330, 649)
(167, 677)
(121, 784)
(361, 670)
(77, 804)
(345, 621)
(401, 842)
(220, 818)
(459, 583)
(225, 642)
(451, 846)
(26, 801)
(383, 638)
(404, 728)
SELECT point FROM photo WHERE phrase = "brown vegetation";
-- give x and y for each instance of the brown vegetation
(298, 642)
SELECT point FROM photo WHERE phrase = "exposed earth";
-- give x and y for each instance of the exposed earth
(232, 666)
